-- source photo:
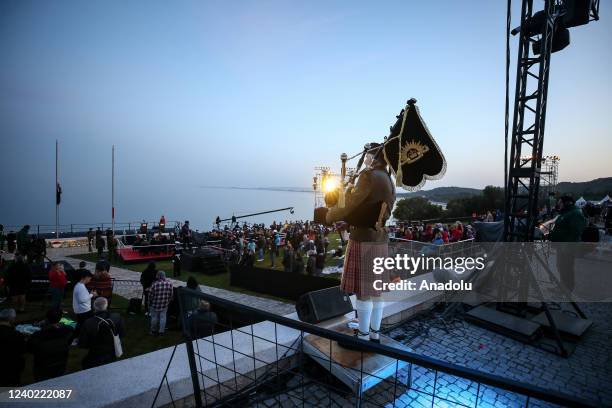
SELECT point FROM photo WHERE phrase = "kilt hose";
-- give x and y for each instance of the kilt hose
(358, 276)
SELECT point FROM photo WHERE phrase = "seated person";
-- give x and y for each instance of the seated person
(202, 322)
(97, 335)
(12, 350)
(50, 347)
(101, 282)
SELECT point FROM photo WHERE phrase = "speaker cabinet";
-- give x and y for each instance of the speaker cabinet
(324, 304)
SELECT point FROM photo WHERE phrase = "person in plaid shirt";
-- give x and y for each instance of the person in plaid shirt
(159, 299)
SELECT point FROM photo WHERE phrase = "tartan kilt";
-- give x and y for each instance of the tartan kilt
(357, 275)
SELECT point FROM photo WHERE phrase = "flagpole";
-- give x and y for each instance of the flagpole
(56, 184)
(113, 191)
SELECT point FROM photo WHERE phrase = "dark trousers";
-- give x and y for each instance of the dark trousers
(565, 266)
(80, 319)
(146, 299)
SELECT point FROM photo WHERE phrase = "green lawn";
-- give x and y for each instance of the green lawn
(136, 341)
(221, 281)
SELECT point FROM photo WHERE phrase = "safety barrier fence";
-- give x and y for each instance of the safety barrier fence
(80, 230)
(266, 363)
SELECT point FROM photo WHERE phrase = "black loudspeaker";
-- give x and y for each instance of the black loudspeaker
(324, 304)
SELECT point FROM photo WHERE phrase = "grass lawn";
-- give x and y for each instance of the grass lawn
(221, 281)
(136, 341)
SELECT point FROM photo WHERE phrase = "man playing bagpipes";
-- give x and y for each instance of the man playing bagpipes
(411, 154)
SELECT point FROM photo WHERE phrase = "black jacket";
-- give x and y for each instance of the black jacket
(50, 349)
(18, 278)
(202, 323)
(147, 277)
(12, 348)
(363, 206)
(97, 336)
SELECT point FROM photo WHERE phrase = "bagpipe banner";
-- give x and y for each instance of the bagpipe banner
(411, 151)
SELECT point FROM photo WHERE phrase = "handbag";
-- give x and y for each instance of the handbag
(116, 338)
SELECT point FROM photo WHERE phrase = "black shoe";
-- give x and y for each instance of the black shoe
(351, 346)
(377, 341)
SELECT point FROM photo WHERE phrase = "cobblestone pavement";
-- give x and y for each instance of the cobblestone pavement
(585, 374)
(133, 289)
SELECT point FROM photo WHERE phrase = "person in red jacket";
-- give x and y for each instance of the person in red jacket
(57, 283)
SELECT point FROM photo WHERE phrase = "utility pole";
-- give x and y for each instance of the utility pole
(113, 191)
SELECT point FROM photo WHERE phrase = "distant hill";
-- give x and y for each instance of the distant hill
(591, 190)
(443, 194)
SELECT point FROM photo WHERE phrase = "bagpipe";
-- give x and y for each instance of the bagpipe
(410, 152)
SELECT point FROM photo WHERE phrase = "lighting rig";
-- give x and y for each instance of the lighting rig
(541, 33)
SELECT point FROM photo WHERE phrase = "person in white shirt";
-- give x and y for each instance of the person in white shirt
(81, 301)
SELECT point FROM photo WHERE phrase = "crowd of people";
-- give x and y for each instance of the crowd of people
(438, 234)
(299, 246)
(93, 327)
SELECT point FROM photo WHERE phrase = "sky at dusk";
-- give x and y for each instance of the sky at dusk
(258, 93)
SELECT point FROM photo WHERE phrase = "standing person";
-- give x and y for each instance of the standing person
(99, 242)
(2, 237)
(261, 244)
(57, 284)
(298, 262)
(368, 207)
(147, 277)
(90, 239)
(18, 279)
(81, 302)
(11, 241)
(161, 296)
(272, 249)
(319, 263)
(97, 335)
(50, 347)
(288, 257)
(311, 263)
(186, 235)
(12, 350)
(23, 240)
(111, 245)
(162, 224)
(569, 226)
(176, 265)
(101, 282)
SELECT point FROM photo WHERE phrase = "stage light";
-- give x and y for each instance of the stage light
(578, 12)
(329, 185)
(561, 39)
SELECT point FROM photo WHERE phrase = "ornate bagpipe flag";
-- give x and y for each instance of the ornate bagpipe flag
(411, 151)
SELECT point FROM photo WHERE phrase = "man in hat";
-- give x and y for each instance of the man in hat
(368, 206)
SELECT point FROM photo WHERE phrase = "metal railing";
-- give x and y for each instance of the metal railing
(80, 230)
(276, 372)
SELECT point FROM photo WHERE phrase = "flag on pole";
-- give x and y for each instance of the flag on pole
(58, 194)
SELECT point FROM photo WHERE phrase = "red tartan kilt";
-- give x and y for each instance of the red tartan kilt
(357, 275)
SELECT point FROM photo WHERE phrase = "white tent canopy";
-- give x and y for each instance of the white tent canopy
(605, 200)
(581, 202)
